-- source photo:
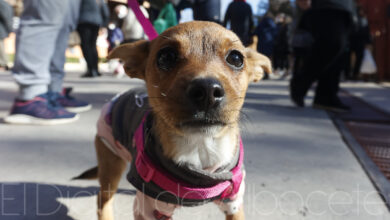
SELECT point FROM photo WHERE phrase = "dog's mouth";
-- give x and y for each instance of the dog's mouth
(201, 123)
(200, 120)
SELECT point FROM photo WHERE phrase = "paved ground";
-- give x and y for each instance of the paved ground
(298, 166)
(374, 94)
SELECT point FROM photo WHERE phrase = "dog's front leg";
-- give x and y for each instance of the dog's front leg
(110, 169)
(234, 209)
(237, 216)
(147, 208)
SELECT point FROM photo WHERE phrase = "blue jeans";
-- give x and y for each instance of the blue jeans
(41, 41)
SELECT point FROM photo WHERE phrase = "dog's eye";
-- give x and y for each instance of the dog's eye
(235, 59)
(166, 58)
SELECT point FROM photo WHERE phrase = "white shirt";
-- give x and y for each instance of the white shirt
(131, 28)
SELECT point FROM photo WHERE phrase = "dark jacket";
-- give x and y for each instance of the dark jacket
(360, 35)
(281, 39)
(94, 12)
(6, 15)
(266, 31)
(239, 13)
(330, 8)
(206, 10)
(342, 5)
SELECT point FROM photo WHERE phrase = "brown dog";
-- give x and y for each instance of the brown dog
(196, 75)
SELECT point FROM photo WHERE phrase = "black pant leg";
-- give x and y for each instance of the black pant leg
(333, 40)
(359, 52)
(324, 63)
(88, 35)
(93, 49)
(84, 32)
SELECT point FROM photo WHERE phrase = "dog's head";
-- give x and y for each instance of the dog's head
(196, 74)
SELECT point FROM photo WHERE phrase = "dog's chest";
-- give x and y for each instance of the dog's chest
(204, 152)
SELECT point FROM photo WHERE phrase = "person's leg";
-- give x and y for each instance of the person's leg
(359, 51)
(3, 56)
(60, 95)
(284, 61)
(308, 64)
(58, 58)
(93, 49)
(40, 25)
(348, 55)
(275, 61)
(297, 61)
(305, 74)
(328, 84)
(88, 35)
(85, 36)
(334, 49)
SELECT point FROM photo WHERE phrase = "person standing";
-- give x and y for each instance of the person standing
(239, 14)
(266, 32)
(360, 39)
(281, 47)
(132, 30)
(5, 29)
(329, 22)
(93, 15)
(205, 10)
(300, 40)
(41, 41)
(166, 18)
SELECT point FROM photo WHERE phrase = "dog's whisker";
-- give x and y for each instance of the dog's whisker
(166, 37)
(157, 97)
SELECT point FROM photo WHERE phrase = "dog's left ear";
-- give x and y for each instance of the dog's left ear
(134, 55)
(257, 65)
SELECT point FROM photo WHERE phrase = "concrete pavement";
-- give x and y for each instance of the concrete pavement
(377, 95)
(298, 166)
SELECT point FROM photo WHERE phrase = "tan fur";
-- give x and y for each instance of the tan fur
(202, 47)
(238, 216)
(110, 169)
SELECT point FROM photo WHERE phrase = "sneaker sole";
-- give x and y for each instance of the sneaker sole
(79, 109)
(29, 120)
(328, 108)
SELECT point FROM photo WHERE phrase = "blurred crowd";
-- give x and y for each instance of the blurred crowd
(311, 41)
(307, 40)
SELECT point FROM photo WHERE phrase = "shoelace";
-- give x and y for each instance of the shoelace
(52, 107)
(51, 98)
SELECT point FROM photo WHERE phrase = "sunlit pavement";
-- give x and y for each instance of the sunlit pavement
(298, 166)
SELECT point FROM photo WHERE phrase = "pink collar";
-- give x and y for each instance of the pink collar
(149, 172)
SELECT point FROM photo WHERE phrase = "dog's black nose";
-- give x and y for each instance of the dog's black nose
(205, 93)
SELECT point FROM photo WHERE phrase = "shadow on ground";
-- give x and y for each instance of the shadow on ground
(28, 200)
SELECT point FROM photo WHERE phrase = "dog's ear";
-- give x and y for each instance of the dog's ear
(134, 55)
(257, 65)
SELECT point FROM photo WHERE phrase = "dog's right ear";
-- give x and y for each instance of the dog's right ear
(134, 55)
(258, 64)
